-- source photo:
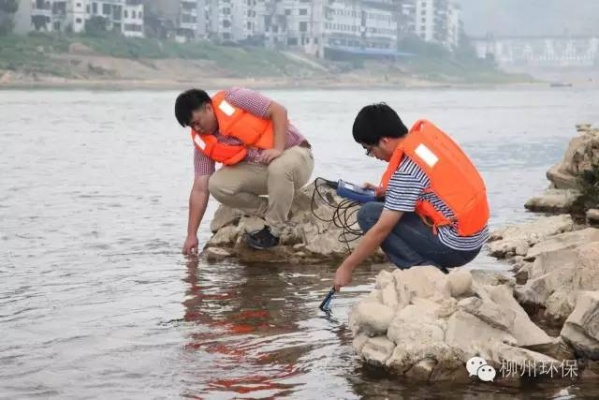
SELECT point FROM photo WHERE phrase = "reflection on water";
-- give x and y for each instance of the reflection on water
(97, 302)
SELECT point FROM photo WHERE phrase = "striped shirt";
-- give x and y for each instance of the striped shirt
(407, 186)
(254, 103)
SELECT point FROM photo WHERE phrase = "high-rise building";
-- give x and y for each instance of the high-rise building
(125, 16)
(438, 21)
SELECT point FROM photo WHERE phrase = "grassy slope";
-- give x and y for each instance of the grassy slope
(30, 55)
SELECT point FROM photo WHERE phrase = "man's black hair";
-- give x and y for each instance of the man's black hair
(187, 102)
(376, 121)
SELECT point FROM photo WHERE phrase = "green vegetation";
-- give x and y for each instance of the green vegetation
(435, 63)
(32, 53)
(588, 182)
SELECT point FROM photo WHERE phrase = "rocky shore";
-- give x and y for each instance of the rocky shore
(424, 325)
(542, 322)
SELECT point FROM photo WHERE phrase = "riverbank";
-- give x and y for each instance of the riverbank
(51, 61)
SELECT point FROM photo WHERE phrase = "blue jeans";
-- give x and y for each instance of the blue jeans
(412, 242)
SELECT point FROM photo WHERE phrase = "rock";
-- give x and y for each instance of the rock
(372, 319)
(581, 154)
(511, 362)
(359, 342)
(553, 201)
(503, 242)
(224, 216)
(558, 306)
(224, 236)
(563, 241)
(424, 282)
(216, 254)
(518, 261)
(557, 349)
(488, 312)
(491, 278)
(592, 217)
(521, 277)
(556, 277)
(408, 355)
(306, 239)
(460, 282)
(583, 127)
(581, 329)
(594, 366)
(464, 330)
(422, 369)
(432, 334)
(561, 180)
(377, 350)
(525, 332)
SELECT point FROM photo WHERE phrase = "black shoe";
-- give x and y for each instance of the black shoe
(262, 239)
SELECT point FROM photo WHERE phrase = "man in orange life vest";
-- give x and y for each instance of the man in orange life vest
(261, 152)
(435, 210)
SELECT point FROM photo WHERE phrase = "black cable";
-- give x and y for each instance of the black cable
(343, 214)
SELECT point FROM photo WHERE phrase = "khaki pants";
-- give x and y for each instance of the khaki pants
(242, 185)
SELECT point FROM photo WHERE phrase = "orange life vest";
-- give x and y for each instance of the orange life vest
(453, 178)
(233, 121)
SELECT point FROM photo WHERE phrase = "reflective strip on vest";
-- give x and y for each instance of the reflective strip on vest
(426, 155)
(226, 108)
(198, 141)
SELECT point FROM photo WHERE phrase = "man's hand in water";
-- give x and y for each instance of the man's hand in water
(342, 277)
(190, 246)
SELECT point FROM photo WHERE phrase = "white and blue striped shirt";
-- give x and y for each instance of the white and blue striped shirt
(407, 186)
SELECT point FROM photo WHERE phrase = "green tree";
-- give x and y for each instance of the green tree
(8, 8)
(96, 26)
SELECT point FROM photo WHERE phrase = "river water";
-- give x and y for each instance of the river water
(97, 302)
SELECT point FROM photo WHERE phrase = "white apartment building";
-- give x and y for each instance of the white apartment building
(125, 16)
(361, 26)
(314, 26)
(438, 21)
(218, 20)
(454, 26)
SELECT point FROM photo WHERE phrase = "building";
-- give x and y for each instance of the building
(22, 17)
(542, 52)
(361, 27)
(125, 16)
(314, 26)
(454, 26)
(438, 21)
(317, 27)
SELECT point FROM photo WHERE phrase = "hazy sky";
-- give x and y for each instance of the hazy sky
(531, 17)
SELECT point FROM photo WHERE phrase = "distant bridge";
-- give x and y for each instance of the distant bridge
(540, 51)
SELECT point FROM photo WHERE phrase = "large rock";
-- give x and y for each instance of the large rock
(424, 325)
(564, 241)
(592, 216)
(581, 329)
(517, 239)
(553, 201)
(310, 237)
(556, 277)
(581, 154)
